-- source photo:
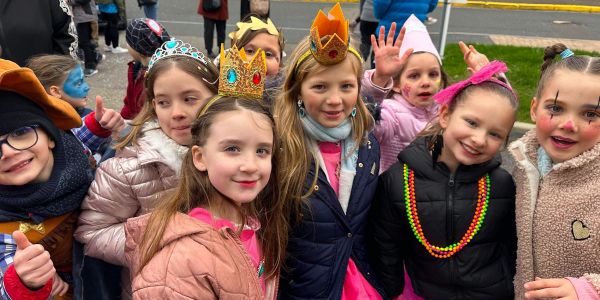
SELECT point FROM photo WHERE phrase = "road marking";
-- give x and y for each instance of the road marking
(492, 4)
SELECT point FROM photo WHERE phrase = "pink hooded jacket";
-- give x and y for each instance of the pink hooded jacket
(194, 261)
(400, 121)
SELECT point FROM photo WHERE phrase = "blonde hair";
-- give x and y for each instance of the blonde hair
(207, 73)
(296, 152)
(195, 189)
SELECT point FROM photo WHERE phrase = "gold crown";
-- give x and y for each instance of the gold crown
(240, 77)
(334, 26)
(254, 24)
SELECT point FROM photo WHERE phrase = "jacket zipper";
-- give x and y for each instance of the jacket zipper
(244, 252)
(450, 222)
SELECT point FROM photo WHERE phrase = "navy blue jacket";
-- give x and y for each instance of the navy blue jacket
(321, 244)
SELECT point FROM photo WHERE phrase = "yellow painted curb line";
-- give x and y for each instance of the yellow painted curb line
(503, 5)
(529, 6)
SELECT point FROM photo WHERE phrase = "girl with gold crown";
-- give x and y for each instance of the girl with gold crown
(224, 226)
(331, 165)
(179, 81)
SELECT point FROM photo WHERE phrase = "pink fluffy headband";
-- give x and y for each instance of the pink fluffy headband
(486, 74)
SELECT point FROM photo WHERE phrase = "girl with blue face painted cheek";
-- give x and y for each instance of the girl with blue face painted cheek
(75, 89)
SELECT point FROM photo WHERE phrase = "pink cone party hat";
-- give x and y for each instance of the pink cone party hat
(417, 37)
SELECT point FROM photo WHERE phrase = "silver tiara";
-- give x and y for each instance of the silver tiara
(176, 47)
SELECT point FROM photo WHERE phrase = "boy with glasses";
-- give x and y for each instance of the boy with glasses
(44, 176)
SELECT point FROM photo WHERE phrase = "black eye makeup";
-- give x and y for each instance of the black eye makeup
(555, 98)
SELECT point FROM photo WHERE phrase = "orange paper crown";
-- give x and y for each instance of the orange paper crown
(329, 39)
(334, 26)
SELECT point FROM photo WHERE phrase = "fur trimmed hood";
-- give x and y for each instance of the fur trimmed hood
(161, 147)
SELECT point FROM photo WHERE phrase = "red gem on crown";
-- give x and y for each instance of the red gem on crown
(256, 78)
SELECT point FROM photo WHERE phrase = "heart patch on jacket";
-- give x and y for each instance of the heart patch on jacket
(580, 231)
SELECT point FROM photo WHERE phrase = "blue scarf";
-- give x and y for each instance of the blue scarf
(341, 133)
(544, 162)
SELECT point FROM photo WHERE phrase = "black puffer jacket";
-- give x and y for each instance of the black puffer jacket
(446, 203)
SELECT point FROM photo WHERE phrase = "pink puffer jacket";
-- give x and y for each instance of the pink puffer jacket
(126, 186)
(195, 261)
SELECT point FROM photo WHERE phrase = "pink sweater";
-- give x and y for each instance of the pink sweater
(355, 284)
(400, 121)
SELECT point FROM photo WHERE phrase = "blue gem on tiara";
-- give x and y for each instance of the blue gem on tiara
(313, 46)
(176, 47)
(231, 76)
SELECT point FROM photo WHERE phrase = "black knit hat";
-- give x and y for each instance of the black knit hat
(146, 35)
(17, 111)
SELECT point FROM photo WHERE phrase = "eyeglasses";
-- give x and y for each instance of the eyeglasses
(21, 138)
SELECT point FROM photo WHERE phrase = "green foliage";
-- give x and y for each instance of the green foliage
(523, 64)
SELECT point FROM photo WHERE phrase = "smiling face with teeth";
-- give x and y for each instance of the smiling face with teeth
(19, 167)
(475, 128)
(569, 124)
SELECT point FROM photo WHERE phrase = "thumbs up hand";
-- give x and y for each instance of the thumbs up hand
(32, 263)
(108, 118)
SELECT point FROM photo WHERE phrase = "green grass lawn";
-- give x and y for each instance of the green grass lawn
(523, 64)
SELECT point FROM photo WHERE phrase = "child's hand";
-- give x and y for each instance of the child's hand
(32, 263)
(388, 62)
(108, 118)
(59, 287)
(555, 288)
(474, 60)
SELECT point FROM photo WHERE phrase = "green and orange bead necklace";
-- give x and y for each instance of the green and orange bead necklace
(483, 198)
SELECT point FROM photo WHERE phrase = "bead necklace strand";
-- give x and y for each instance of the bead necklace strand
(483, 197)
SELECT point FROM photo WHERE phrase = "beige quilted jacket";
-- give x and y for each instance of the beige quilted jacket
(126, 186)
(558, 216)
(195, 261)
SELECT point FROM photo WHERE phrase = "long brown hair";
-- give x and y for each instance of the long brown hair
(52, 69)
(296, 154)
(194, 189)
(207, 73)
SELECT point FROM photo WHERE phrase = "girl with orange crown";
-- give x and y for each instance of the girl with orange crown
(331, 164)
